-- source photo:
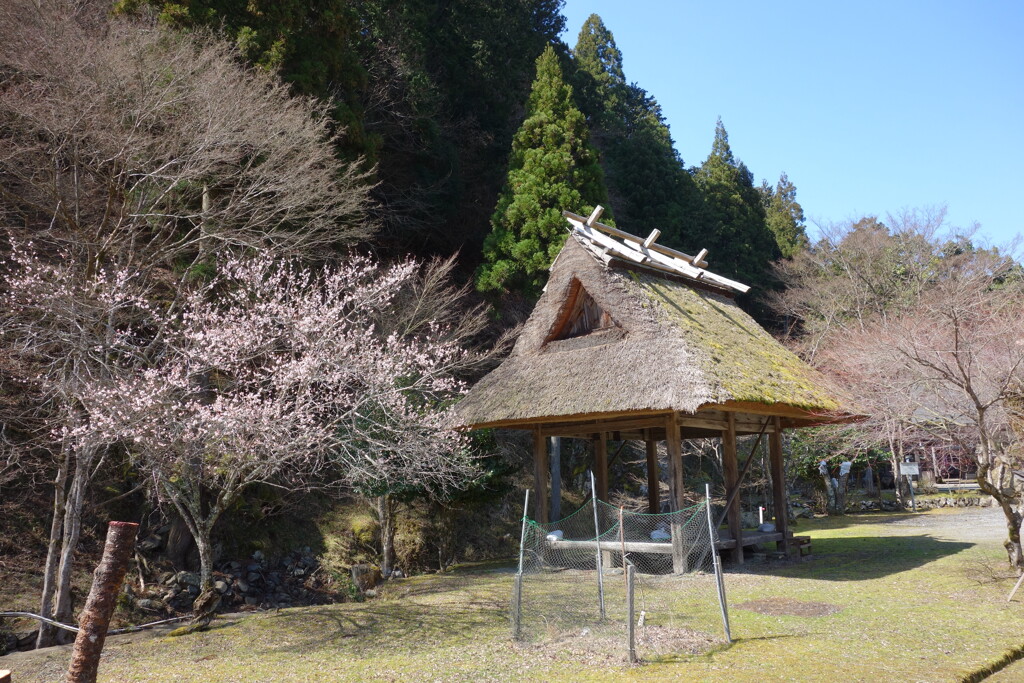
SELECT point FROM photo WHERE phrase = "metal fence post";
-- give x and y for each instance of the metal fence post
(597, 543)
(719, 581)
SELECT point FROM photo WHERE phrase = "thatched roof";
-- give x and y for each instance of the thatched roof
(657, 343)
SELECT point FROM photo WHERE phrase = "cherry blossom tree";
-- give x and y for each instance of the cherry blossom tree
(66, 333)
(277, 373)
(132, 156)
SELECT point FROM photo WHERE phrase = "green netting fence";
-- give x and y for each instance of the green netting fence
(610, 582)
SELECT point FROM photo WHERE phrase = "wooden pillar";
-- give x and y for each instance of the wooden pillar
(653, 478)
(674, 447)
(731, 469)
(601, 465)
(540, 476)
(779, 498)
(556, 477)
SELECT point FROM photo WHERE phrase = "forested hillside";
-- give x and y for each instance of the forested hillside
(430, 96)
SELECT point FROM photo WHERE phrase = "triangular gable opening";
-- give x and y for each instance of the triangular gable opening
(580, 315)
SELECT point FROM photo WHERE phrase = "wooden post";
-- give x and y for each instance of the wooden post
(653, 477)
(630, 579)
(5, 676)
(731, 469)
(99, 606)
(556, 478)
(517, 605)
(601, 465)
(540, 475)
(674, 446)
(780, 500)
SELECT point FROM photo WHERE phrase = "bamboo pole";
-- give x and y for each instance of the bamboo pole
(1019, 582)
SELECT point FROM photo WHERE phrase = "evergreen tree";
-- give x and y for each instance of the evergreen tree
(737, 237)
(784, 216)
(601, 89)
(552, 167)
(647, 181)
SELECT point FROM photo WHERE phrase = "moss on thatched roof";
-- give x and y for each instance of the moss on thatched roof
(673, 347)
(746, 362)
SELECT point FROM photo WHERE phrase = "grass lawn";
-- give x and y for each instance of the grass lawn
(910, 598)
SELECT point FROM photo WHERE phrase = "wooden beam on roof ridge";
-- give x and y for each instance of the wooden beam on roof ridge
(667, 251)
(632, 246)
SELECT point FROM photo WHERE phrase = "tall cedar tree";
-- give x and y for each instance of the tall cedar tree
(647, 182)
(737, 237)
(785, 216)
(553, 167)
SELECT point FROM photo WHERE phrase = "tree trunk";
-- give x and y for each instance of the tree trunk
(64, 609)
(841, 494)
(99, 606)
(830, 493)
(386, 518)
(1014, 551)
(204, 542)
(1007, 502)
(897, 480)
(46, 632)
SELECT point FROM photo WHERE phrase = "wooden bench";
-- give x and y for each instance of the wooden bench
(802, 544)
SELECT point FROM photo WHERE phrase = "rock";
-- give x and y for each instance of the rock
(398, 574)
(258, 555)
(151, 542)
(8, 643)
(220, 586)
(372, 593)
(252, 600)
(299, 571)
(253, 577)
(192, 590)
(365, 576)
(254, 567)
(167, 578)
(28, 640)
(152, 605)
(187, 578)
(242, 585)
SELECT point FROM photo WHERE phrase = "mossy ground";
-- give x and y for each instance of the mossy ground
(918, 597)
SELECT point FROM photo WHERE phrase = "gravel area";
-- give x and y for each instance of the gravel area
(960, 524)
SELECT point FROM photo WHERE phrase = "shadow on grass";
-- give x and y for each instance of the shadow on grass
(852, 520)
(363, 630)
(860, 558)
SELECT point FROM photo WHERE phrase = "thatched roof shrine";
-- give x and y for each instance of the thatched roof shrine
(631, 340)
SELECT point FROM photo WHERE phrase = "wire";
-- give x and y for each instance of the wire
(75, 629)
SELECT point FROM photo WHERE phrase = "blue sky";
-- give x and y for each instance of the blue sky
(870, 107)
